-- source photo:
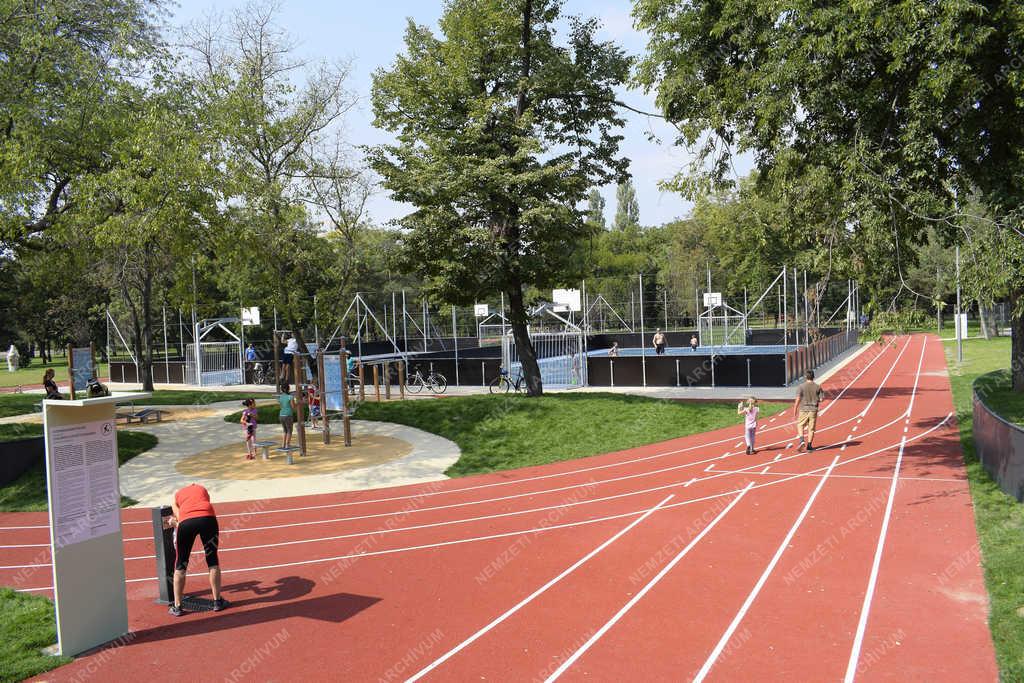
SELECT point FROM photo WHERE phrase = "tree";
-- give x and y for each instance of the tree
(501, 132)
(595, 209)
(898, 105)
(627, 211)
(62, 61)
(270, 135)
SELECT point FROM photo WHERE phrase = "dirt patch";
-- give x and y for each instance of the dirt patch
(228, 462)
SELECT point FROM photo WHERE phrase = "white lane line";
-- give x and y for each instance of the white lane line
(709, 467)
(525, 601)
(771, 420)
(854, 428)
(765, 470)
(836, 399)
(885, 379)
(689, 482)
(724, 640)
(643, 591)
(869, 594)
(595, 520)
(777, 456)
(913, 394)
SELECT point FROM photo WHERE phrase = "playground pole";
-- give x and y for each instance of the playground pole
(359, 327)
(300, 401)
(346, 427)
(785, 322)
(643, 344)
(405, 331)
(394, 316)
(167, 366)
(277, 357)
(455, 340)
(316, 325)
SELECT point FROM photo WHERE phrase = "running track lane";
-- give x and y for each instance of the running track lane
(387, 616)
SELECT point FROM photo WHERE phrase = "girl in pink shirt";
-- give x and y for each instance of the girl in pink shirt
(749, 410)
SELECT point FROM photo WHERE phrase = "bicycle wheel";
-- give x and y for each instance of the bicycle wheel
(415, 384)
(438, 383)
(498, 384)
(259, 374)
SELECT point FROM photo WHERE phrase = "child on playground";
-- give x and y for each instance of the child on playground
(249, 425)
(286, 415)
(314, 407)
(750, 411)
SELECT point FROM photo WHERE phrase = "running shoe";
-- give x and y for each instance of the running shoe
(810, 448)
(175, 611)
(219, 604)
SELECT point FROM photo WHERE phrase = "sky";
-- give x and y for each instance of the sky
(370, 35)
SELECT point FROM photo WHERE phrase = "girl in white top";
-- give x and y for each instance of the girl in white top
(749, 410)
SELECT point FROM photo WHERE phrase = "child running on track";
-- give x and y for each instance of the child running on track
(249, 425)
(750, 410)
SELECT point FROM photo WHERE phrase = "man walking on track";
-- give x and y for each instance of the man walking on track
(194, 516)
(805, 408)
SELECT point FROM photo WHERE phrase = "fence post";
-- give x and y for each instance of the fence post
(376, 383)
(611, 372)
(300, 401)
(677, 372)
(387, 381)
(401, 378)
(362, 382)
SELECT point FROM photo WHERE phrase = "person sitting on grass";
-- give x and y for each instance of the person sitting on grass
(287, 413)
(50, 387)
(194, 516)
(249, 417)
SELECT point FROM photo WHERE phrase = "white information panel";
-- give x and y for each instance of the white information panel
(85, 521)
(83, 474)
(712, 299)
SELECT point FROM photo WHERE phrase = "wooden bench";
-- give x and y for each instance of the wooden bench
(143, 416)
(288, 453)
(265, 447)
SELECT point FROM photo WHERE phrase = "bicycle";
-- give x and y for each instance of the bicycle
(504, 383)
(435, 381)
(263, 372)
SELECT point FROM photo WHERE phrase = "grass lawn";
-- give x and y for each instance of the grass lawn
(509, 431)
(32, 376)
(999, 518)
(21, 404)
(28, 492)
(27, 626)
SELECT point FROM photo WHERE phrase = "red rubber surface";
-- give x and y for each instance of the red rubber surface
(481, 578)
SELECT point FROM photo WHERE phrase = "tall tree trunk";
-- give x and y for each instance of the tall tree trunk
(524, 347)
(147, 326)
(1017, 344)
(983, 321)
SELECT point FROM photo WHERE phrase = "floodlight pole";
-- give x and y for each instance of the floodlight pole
(958, 326)
(785, 322)
(796, 309)
(455, 340)
(405, 332)
(807, 313)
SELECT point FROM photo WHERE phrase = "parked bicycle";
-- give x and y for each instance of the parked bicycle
(435, 381)
(263, 372)
(504, 383)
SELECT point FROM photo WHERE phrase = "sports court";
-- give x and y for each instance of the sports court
(682, 560)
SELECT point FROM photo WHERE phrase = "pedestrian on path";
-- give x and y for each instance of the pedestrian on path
(805, 408)
(194, 516)
(750, 411)
(287, 413)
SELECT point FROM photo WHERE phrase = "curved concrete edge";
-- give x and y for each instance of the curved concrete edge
(151, 478)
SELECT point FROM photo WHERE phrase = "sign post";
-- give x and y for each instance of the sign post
(85, 521)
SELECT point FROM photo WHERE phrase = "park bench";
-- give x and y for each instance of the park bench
(288, 452)
(143, 416)
(265, 447)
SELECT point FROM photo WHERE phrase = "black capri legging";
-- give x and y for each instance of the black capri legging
(204, 527)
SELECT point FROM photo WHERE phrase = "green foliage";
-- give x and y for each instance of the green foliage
(504, 432)
(900, 321)
(28, 625)
(595, 209)
(499, 140)
(627, 210)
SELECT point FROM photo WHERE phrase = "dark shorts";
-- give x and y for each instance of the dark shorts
(250, 430)
(287, 421)
(286, 358)
(204, 527)
(659, 349)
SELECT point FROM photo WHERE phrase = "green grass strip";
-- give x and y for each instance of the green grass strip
(999, 518)
(27, 626)
(504, 432)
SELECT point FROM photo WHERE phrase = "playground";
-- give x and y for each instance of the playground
(704, 559)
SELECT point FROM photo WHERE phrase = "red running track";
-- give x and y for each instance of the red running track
(683, 560)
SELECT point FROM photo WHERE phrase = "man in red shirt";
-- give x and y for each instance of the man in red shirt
(194, 516)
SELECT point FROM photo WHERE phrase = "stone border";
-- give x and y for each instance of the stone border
(151, 478)
(1000, 447)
